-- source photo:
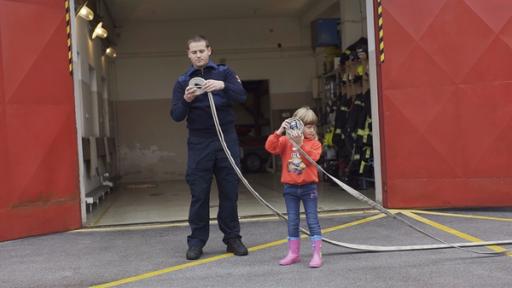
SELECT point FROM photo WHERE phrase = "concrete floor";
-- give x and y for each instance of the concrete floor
(153, 255)
(169, 201)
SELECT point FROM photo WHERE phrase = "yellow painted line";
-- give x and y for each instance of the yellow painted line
(222, 256)
(452, 231)
(346, 213)
(354, 223)
(463, 215)
(162, 271)
(147, 226)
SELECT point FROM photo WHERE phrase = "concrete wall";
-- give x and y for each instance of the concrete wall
(153, 55)
(353, 21)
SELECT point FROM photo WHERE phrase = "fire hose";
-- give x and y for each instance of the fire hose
(198, 82)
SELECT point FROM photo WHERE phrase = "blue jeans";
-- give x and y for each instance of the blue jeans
(308, 194)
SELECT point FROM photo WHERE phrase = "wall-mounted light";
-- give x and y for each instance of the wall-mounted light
(111, 52)
(99, 31)
(86, 13)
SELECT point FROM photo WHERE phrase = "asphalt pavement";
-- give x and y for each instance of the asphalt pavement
(154, 255)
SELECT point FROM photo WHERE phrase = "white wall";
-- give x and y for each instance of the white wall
(153, 55)
(226, 34)
(140, 78)
(353, 21)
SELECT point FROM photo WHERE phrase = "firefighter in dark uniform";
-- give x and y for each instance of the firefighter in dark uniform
(205, 155)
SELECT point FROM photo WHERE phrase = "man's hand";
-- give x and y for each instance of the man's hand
(213, 85)
(209, 86)
(190, 94)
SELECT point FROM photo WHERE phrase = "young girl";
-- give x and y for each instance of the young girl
(300, 178)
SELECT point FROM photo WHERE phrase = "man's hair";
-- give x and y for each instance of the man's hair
(198, 38)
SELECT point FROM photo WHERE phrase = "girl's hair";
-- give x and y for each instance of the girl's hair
(306, 115)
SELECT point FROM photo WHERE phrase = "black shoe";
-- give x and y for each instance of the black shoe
(236, 247)
(194, 253)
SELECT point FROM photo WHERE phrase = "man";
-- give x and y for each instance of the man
(205, 154)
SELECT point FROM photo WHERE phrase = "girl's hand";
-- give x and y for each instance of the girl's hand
(285, 125)
(296, 137)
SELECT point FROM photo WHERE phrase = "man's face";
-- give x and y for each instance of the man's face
(199, 54)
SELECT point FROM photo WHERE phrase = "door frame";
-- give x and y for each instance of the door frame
(375, 91)
(77, 91)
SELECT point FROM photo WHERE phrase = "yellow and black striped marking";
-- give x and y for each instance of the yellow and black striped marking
(68, 32)
(381, 31)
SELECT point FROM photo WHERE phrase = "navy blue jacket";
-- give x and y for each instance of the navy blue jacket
(198, 113)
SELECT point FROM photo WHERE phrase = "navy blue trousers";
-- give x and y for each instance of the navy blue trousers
(206, 158)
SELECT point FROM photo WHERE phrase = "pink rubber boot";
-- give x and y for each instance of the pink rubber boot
(316, 261)
(293, 253)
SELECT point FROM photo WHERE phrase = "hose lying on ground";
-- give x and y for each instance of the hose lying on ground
(197, 82)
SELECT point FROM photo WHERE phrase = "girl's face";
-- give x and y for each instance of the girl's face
(309, 131)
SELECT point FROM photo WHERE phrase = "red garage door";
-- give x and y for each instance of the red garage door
(446, 103)
(38, 159)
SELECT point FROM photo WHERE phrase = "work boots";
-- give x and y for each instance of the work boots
(236, 247)
(194, 253)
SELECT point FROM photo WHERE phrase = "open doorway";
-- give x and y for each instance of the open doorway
(275, 45)
(253, 125)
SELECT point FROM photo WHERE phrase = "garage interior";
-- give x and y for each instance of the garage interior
(287, 53)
